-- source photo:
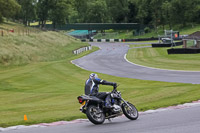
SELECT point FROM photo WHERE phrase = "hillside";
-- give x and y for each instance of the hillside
(28, 45)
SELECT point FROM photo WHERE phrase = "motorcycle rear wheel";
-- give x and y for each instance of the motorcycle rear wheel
(95, 114)
(132, 113)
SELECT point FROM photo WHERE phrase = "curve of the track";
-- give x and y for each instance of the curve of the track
(110, 60)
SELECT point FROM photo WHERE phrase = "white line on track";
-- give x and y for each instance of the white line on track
(77, 65)
(155, 68)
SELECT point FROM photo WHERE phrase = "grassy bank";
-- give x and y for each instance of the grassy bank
(18, 49)
(158, 58)
(46, 88)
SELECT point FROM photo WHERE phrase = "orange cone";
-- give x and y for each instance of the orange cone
(25, 118)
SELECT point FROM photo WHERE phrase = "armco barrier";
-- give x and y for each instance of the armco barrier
(155, 45)
(101, 40)
(119, 40)
(183, 51)
(80, 50)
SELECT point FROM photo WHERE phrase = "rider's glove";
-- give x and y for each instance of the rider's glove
(114, 85)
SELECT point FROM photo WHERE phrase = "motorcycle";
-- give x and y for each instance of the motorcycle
(96, 111)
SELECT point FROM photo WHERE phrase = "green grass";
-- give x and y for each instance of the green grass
(18, 49)
(158, 58)
(37, 23)
(139, 45)
(46, 88)
(47, 92)
(44, 91)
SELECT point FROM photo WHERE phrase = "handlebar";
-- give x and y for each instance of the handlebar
(115, 88)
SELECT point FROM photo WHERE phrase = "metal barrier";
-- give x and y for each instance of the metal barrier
(97, 26)
(119, 40)
(80, 50)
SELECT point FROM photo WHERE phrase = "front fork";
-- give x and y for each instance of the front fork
(126, 103)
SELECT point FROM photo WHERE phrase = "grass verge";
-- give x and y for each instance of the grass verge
(159, 58)
(138, 45)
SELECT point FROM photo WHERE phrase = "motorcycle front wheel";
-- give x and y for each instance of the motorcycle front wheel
(95, 114)
(130, 113)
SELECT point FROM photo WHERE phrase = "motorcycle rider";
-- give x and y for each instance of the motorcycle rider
(92, 88)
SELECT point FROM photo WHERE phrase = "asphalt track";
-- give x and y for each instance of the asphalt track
(110, 59)
(185, 120)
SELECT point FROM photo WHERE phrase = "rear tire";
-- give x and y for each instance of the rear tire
(131, 114)
(95, 114)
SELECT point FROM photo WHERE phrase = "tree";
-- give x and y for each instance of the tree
(80, 6)
(155, 7)
(118, 10)
(192, 11)
(197, 14)
(8, 8)
(59, 12)
(43, 8)
(96, 12)
(144, 11)
(167, 13)
(132, 12)
(28, 11)
(179, 11)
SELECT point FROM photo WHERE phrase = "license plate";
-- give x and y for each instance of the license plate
(82, 104)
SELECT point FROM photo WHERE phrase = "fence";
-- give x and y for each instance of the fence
(78, 51)
(106, 35)
(97, 26)
(18, 31)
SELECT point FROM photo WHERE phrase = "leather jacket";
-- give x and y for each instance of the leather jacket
(92, 85)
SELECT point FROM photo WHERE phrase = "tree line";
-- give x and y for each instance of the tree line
(148, 12)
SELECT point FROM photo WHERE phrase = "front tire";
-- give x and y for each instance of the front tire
(130, 113)
(95, 114)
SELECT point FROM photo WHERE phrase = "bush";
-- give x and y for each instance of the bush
(147, 30)
(133, 32)
(1, 18)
